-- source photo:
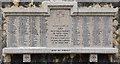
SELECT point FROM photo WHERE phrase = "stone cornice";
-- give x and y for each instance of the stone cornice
(47, 6)
(32, 50)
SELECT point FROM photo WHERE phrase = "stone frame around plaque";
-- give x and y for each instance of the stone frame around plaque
(74, 12)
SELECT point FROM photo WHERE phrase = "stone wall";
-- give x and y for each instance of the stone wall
(0, 35)
(63, 57)
(116, 36)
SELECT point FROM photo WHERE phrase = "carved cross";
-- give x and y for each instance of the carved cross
(60, 15)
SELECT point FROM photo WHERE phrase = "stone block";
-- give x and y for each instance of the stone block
(38, 50)
(60, 25)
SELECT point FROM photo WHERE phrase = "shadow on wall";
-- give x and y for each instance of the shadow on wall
(59, 58)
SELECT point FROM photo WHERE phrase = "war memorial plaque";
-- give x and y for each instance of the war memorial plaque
(59, 27)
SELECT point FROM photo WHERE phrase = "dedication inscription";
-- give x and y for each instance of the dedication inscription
(60, 28)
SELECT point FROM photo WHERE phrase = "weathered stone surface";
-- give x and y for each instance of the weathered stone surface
(26, 58)
(95, 31)
(114, 36)
(115, 23)
(59, 29)
(0, 33)
(37, 50)
(68, 27)
(60, 55)
(62, 5)
(93, 58)
(115, 42)
(118, 39)
(114, 30)
(89, 34)
(28, 33)
(7, 58)
(118, 32)
(11, 32)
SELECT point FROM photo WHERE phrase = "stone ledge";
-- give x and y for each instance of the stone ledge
(12, 12)
(45, 12)
(47, 6)
(95, 11)
(32, 50)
